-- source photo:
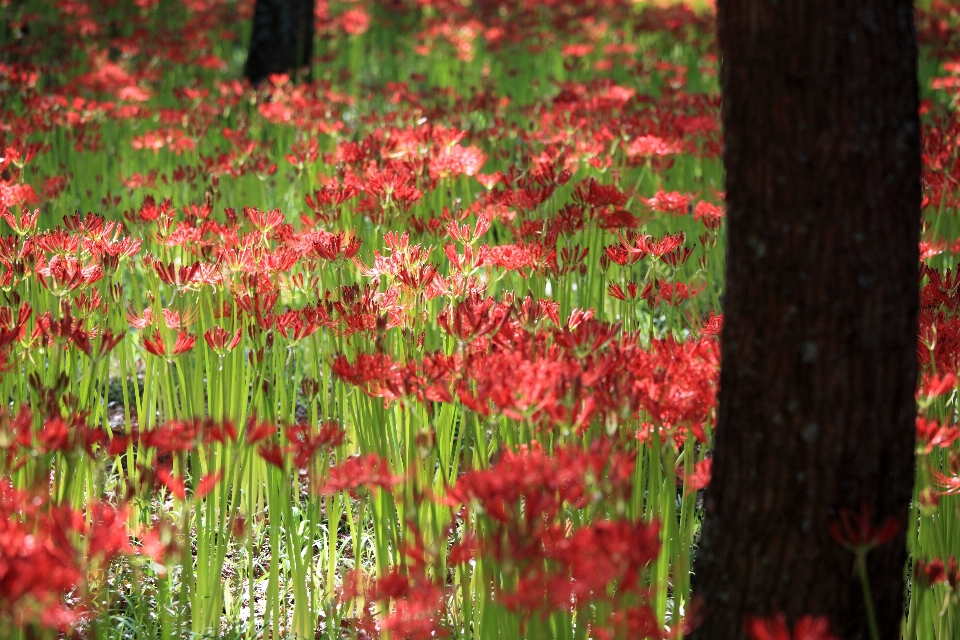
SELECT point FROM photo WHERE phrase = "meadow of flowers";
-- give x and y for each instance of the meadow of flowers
(427, 347)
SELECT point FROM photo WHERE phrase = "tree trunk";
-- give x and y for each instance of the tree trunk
(819, 344)
(282, 39)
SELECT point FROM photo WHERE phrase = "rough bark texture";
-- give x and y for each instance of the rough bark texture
(282, 39)
(819, 364)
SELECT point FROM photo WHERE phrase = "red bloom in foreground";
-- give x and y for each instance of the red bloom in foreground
(776, 628)
(370, 471)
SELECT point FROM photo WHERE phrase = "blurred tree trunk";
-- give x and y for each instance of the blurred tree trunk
(819, 365)
(282, 39)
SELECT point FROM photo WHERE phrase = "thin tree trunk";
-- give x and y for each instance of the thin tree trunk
(282, 39)
(819, 364)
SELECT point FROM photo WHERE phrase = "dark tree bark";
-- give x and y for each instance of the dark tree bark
(282, 39)
(819, 361)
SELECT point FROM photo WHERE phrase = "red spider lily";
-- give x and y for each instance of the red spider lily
(54, 435)
(652, 147)
(638, 621)
(13, 325)
(671, 202)
(675, 383)
(573, 260)
(417, 279)
(369, 471)
(589, 336)
(511, 257)
(172, 319)
(464, 235)
(259, 305)
(338, 246)
(23, 225)
(173, 483)
(91, 303)
(58, 242)
(63, 275)
(469, 261)
(932, 434)
(207, 484)
(218, 431)
(303, 154)
(473, 318)
(543, 483)
(297, 325)
(272, 454)
(677, 257)
(933, 572)
(264, 221)
(220, 340)
(60, 331)
(601, 553)
(392, 185)
(857, 533)
(941, 290)
(149, 211)
(455, 160)
(172, 436)
(108, 536)
(40, 566)
(950, 484)
(531, 313)
(713, 325)
(257, 431)
(489, 181)
(171, 274)
(776, 628)
(16, 431)
(674, 293)
(92, 226)
(591, 193)
(700, 478)
(626, 252)
(326, 201)
(709, 214)
(157, 544)
(660, 248)
(107, 343)
(157, 347)
(463, 550)
(617, 292)
(305, 442)
(936, 386)
(930, 249)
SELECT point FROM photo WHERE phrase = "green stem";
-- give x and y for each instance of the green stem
(867, 597)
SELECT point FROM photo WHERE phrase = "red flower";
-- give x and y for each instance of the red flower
(156, 346)
(700, 477)
(272, 454)
(207, 483)
(220, 340)
(709, 214)
(857, 533)
(671, 202)
(173, 483)
(369, 471)
(776, 628)
(304, 441)
(931, 434)
(932, 572)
